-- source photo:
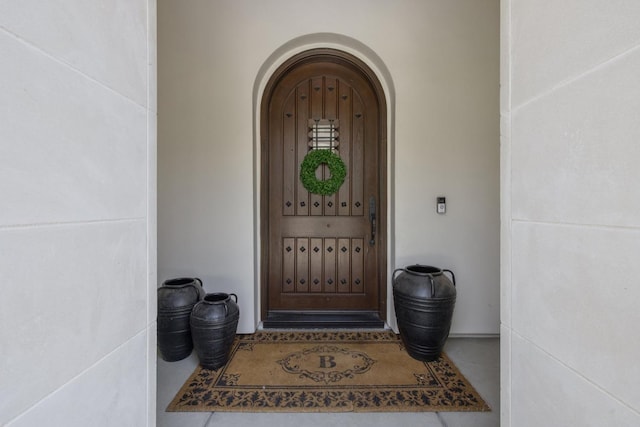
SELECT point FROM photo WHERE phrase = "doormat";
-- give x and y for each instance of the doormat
(326, 372)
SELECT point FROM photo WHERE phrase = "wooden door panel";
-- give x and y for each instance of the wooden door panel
(317, 252)
(344, 115)
(289, 161)
(322, 265)
(357, 163)
(289, 265)
(330, 278)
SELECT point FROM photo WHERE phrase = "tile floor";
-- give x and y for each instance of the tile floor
(477, 359)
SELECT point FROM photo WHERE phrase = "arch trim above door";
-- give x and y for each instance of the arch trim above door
(380, 74)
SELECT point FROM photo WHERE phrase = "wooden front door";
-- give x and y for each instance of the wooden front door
(323, 256)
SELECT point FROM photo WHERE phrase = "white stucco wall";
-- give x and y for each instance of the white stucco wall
(442, 63)
(570, 225)
(77, 217)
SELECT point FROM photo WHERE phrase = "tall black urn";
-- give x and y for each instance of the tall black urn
(214, 322)
(176, 298)
(424, 298)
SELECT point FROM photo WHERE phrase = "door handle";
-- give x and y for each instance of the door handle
(372, 219)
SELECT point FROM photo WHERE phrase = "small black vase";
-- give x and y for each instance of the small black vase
(424, 299)
(214, 322)
(176, 298)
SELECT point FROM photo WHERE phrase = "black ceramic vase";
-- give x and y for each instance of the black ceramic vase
(176, 298)
(214, 322)
(424, 298)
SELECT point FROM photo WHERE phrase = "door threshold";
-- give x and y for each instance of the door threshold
(323, 320)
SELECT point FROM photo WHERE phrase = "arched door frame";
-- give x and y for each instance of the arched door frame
(379, 72)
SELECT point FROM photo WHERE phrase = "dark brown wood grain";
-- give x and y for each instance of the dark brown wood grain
(316, 252)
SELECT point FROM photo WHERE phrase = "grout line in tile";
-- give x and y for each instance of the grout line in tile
(68, 223)
(576, 372)
(571, 79)
(441, 419)
(206, 423)
(68, 65)
(77, 375)
(574, 224)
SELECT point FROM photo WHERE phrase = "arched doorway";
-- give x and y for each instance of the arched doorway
(323, 252)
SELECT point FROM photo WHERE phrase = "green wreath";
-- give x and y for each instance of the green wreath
(312, 161)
